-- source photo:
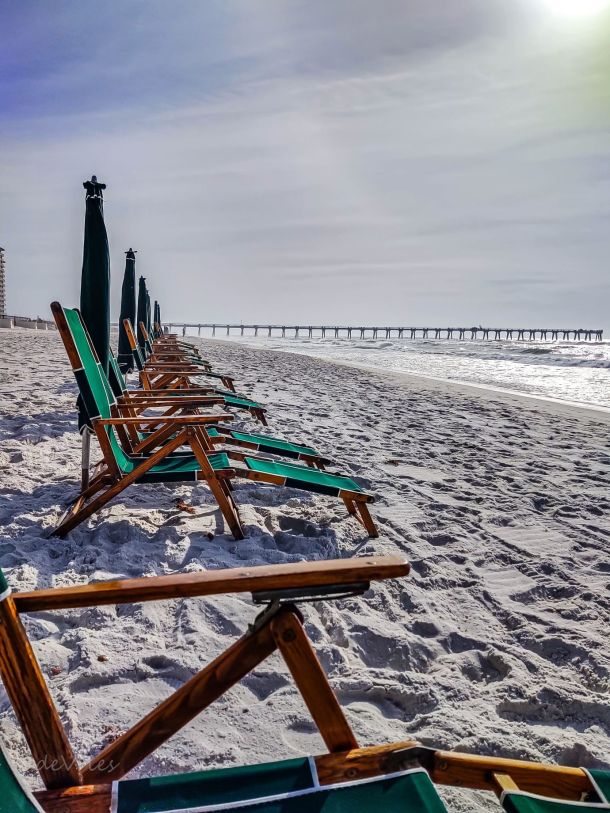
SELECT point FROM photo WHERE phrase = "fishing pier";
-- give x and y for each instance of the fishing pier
(368, 332)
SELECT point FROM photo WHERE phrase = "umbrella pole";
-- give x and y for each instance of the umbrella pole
(85, 453)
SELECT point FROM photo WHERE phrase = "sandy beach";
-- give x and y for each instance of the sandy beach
(496, 643)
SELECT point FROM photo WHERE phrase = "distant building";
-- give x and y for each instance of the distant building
(2, 284)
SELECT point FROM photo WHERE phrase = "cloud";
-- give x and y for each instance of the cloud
(329, 162)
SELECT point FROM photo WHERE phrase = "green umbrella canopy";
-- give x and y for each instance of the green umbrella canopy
(95, 278)
(128, 310)
(141, 312)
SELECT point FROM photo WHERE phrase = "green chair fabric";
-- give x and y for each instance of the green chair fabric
(268, 444)
(278, 788)
(521, 802)
(178, 468)
(300, 477)
(99, 398)
(14, 795)
(115, 376)
(601, 781)
(518, 802)
(236, 400)
(214, 787)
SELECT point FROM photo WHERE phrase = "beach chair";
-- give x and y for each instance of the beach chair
(400, 777)
(278, 627)
(220, 435)
(165, 377)
(154, 463)
(174, 362)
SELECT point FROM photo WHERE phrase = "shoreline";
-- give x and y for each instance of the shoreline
(554, 405)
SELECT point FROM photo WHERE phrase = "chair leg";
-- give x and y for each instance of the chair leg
(115, 488)
(80, 512)
(360, 511)
(367, 519)
(311, 681)
(259, 415)
(217, 485)
(227, 506)
(351, 508)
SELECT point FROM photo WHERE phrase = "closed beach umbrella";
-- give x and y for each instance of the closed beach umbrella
(128, 310)
(95, 279)
(94, 296)
(141, 312)
(157, 318)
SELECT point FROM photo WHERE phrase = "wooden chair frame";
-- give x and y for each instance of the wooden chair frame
(278, 627)
(135, 402)
(164, 376)
(172, 432)
(159, 373)
(71, 788)
(185, 430)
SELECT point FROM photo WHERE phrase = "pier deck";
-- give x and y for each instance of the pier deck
(363, 332)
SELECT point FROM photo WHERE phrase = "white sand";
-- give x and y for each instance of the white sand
(497, 643)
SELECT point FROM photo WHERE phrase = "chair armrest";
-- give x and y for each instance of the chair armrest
(216, 582)
(176, 400)
(171, 420)
(173, 371)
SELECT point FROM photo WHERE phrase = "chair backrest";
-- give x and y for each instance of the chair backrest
(115, 376)
(147, 342)
(14, 794)
(91, 379)
(133, 343)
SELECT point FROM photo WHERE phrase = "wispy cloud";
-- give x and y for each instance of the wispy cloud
(373, 162)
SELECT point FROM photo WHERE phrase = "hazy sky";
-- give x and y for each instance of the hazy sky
(388, 162)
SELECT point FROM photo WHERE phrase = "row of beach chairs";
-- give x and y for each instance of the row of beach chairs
(186, 441)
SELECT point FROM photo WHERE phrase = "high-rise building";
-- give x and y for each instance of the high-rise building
(2, 284)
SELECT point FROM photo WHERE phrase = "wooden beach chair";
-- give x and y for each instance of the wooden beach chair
(153, 462)
(220, 435)
(399, 777)
(177, 379)
(173, 360)
(278, 589)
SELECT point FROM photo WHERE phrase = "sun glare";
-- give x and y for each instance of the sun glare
(577, 8)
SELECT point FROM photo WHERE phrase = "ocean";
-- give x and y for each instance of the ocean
(577, 373)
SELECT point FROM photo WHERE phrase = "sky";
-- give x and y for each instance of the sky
(329, 161)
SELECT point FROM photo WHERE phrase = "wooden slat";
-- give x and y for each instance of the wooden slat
(312, 682)
(180, 708)
(360, 763)
(177, 421)
(472, 771)
(214, 582)
(82, 799)
(32, 703)
(504, 782)
(162, 401)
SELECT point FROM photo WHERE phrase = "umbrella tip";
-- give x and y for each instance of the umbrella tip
(131, 251)
(93, 186)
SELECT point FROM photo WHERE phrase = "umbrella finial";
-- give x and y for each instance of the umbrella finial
(94, 188)
(131, 253)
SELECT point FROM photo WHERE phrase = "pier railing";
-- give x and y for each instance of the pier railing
(363, 332)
